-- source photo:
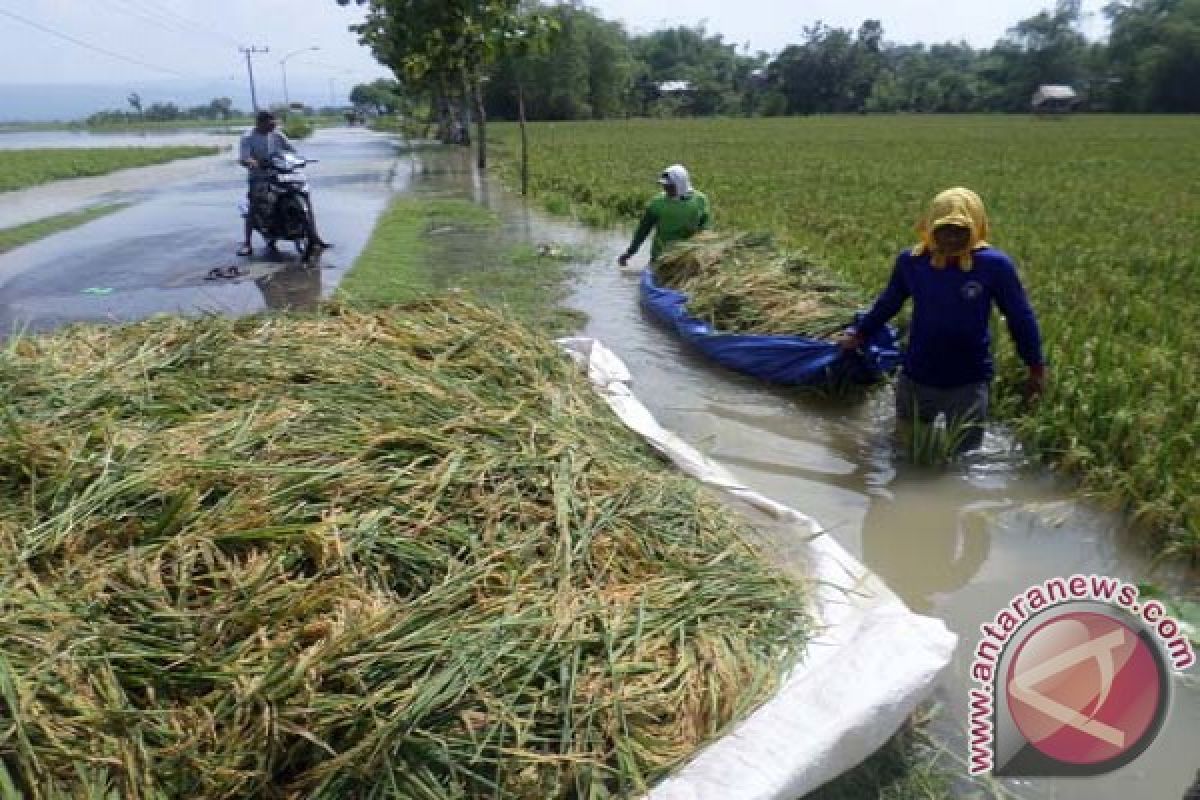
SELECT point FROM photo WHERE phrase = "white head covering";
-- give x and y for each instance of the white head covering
(677, 175)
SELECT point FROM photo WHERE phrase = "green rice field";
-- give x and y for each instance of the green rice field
(23, 168)
(1100, 212)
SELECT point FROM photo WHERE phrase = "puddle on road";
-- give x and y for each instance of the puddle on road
(957, 544)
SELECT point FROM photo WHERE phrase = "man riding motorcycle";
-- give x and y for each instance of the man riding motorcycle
(255, 153)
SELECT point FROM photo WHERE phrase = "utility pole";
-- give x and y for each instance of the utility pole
(287, 101)
(250, 51)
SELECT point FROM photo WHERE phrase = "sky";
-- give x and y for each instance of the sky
(189, 43)
(189, 48)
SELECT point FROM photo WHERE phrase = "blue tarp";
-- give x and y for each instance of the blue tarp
(790, 360)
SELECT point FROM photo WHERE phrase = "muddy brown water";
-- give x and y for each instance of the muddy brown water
(957, 544)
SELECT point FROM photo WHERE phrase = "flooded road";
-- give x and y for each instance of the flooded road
(156, 255)
(957, 544)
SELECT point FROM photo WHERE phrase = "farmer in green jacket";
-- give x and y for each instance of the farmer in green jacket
(676, 214)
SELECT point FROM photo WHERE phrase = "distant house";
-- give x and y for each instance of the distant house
(675, 87)
(1054, 99)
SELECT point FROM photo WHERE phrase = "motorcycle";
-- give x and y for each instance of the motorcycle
(279, 209)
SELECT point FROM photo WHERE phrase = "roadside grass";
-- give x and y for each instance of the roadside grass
(422, 247)
(913, 765)
(908, 767)
(20, 169)
(20, 235)
(1099, 213)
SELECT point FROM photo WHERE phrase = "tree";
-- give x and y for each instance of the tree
(816, 76)
(1154, 55)
(220, 108)
(135, 100)
(1045, 48)
(449, 41)
(163, 112)
(382, 96)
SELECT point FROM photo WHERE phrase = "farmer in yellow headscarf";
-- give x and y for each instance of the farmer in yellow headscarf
(954, 277)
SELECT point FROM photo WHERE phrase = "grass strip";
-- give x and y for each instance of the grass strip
(21, 235)
(20, 169)
(405, 553)
(422, 247)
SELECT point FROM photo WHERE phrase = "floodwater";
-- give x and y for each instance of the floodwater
(183, 221)
(957, 544)
(23, 140)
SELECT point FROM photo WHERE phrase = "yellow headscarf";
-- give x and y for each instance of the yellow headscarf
(953, 207)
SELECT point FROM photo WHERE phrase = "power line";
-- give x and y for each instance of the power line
(163, 22)
(185, 24)
(135, 12)
(89, 46)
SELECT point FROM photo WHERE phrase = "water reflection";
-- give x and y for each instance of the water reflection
(929, 535)
(295, 287)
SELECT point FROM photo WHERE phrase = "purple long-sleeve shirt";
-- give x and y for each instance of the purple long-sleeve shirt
(948, 341)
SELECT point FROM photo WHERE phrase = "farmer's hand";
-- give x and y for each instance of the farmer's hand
(623, 260)
(1035, 384)
(250, 163)
(848, 341)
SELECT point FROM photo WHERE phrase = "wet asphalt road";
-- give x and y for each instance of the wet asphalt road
(156, 255)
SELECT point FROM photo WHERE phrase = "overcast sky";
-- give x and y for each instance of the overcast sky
(198, 40)
(183, 40)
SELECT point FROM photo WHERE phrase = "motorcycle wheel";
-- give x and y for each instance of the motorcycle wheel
(304, 245)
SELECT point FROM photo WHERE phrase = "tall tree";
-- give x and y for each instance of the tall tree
(449, 41)
(1154, 53)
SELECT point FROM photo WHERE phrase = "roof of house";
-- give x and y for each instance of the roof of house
(675, 86)
(1052, 91)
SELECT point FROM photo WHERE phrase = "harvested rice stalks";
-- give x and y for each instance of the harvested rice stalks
(402, 554)
(746, 284)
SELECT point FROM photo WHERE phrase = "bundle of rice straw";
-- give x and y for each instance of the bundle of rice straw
(402, 554)
(744, 283)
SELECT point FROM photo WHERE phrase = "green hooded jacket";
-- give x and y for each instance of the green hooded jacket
(672, 219)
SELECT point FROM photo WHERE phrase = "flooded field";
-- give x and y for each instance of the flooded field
(24, 140)
(957, 544)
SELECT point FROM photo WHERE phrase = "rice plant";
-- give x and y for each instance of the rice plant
(368, 555)
(1099, 212)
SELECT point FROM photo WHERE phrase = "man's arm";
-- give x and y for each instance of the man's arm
(1018, 314)
(705, 214)
(1023, 327)
(886, 306)
(649, 220)
(285, 143)
(244, 156)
